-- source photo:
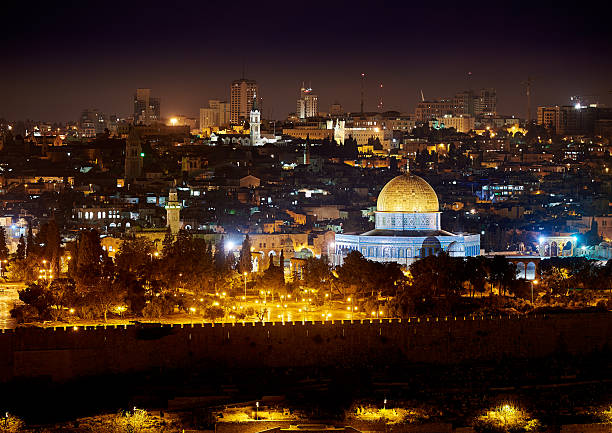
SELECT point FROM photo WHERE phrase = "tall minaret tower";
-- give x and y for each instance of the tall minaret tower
(173, 212)
(255, 123)
(133, 156)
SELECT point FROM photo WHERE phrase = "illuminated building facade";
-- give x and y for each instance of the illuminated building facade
(461, 123)
(407, 227)
(486, 104)
(307, 104)
(146, 108)
(216, 115)
(242, 94)
(428, 110)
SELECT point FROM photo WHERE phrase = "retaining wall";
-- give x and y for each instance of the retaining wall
(66, 352)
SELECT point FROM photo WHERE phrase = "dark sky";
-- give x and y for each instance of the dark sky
(60, 58)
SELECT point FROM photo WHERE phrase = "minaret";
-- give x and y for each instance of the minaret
(173, 212)
(254, 123)
(133, 156)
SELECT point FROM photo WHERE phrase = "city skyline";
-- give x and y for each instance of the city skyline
(565, 52)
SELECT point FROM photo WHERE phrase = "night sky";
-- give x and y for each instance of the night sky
(59, 59)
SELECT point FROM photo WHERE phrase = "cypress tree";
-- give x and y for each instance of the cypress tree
(21, 249)
(245, 264)
(52, 246)
(219, 256)
(3, 247)
(30, 242)
(168, 241)
(281, 267)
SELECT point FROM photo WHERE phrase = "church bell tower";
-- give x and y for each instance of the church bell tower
(133, 156)
(255, 123)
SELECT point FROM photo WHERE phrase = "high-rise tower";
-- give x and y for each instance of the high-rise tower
(146, 108)
(307, 104)
(133, 156)
(242, 94)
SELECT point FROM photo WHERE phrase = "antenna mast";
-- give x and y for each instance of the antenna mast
(528, 93)
(362, 90)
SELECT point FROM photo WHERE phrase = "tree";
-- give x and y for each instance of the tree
(52, 246)
(317, 272)
(281, 265)
(136, 296)
(39, 297)
(107, 295)
(89, 258)
(592, 237)
(353, 270)
(214, 312)
(168, 240)
(272, 279)
(245, 261)
(133, 255)
(21, 249)
(477, 271)
(10, 423)
(30, 241)
(502, 272)
(63, 293)
(135, 421)
(219, 256)
(3, 248)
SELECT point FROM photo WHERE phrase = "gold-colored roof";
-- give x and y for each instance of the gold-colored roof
(407, 193)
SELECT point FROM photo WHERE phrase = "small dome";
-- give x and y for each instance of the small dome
(407, 193)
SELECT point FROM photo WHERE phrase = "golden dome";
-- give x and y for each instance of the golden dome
(407, 193)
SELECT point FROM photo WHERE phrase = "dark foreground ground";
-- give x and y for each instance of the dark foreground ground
(557, 390)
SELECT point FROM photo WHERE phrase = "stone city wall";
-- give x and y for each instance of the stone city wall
(64, 353)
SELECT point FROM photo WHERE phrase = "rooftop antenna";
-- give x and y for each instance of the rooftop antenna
(422, 96)
(362, 90)
(380, 100)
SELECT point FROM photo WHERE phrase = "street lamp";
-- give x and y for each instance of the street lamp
(245, 275)
(256, 410)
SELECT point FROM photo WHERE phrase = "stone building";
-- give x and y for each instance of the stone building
(407, 227)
